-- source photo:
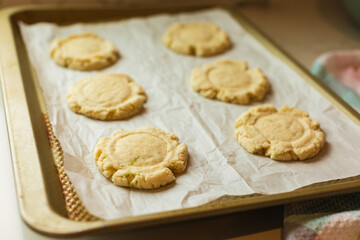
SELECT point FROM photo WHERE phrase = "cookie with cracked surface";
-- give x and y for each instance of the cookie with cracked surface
(85, 51)
(196, 38)
(287, 134)
(230, 81)
(144, 158)
(106, 97)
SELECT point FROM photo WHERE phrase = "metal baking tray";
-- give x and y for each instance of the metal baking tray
(40, 198)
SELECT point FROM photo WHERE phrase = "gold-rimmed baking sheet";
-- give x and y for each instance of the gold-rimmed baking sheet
(232, 201)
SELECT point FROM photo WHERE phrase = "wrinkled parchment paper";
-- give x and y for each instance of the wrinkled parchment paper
(218, 165)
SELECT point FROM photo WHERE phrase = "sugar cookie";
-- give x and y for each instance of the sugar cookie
(106, 96)
(230, 81)
(145, 158)
(86, 51)
(196, 38)
(287, 134)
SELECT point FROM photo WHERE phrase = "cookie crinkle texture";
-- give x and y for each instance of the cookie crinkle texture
(85, 51)
(230, 81)
(287, 134)
(106, 97)
(196, 38)
(144, 158)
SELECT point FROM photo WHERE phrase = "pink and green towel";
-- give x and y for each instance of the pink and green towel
(340, 71)
(338, 217)
(334, 218)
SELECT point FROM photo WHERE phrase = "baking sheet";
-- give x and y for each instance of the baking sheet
(218, 165)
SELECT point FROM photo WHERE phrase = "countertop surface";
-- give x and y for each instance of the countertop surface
(303, 28)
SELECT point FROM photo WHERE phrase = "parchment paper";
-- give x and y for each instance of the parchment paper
(218, 165)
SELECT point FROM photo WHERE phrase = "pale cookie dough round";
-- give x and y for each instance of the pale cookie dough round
(145, 158)
(196, 38)
(230, 81)
(287, 134)
(86, 51)
(106, 97)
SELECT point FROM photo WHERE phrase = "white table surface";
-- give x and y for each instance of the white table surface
(304, 28)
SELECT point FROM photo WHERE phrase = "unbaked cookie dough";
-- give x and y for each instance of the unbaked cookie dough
(287, 134)
(145, 158)
(230, 81)
(86, 51)
(196, 38)
(106, 96)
